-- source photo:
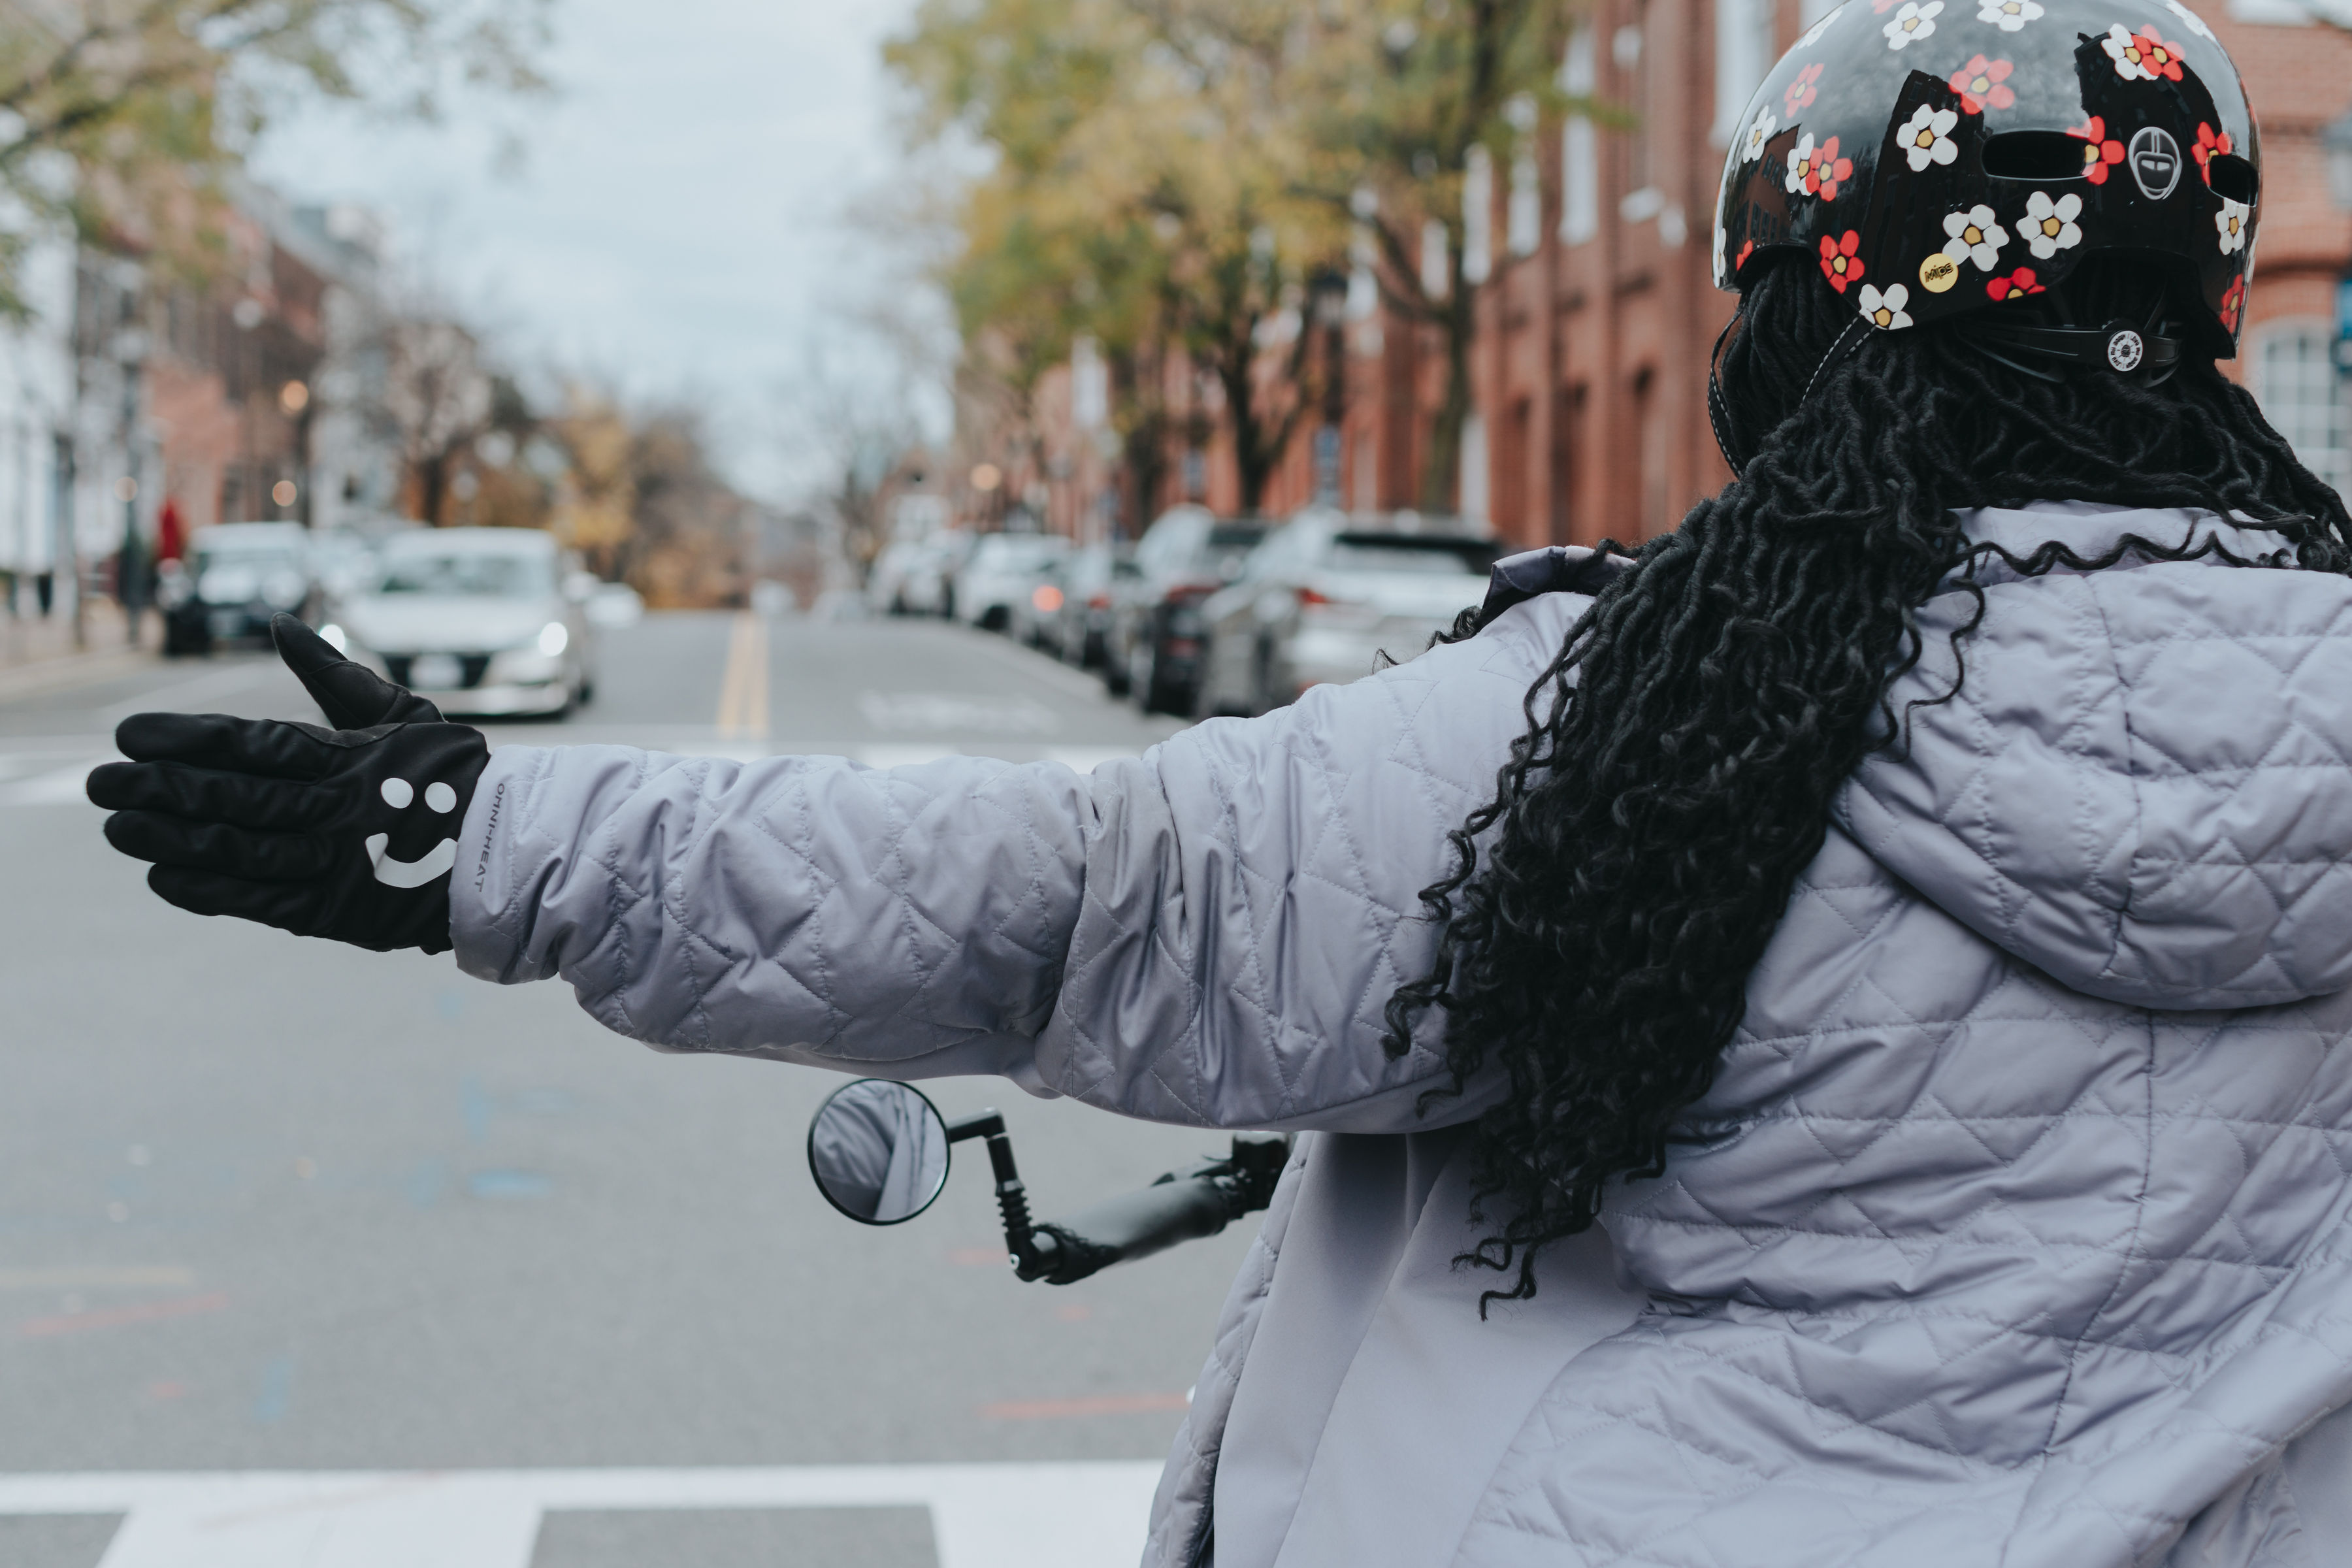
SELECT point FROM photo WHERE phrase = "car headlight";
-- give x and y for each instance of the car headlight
(553, 638)
(335, 638)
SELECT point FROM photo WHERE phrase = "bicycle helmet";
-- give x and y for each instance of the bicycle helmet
(1940, 157)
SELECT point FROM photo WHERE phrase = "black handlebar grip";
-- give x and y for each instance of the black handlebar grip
(1136, 1225)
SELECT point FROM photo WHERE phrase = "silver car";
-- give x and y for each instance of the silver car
(1328, 595)
(482, 621)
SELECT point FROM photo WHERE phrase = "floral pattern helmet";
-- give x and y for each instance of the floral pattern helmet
(1942, 156)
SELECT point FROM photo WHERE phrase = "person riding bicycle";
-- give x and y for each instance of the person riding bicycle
(1825, 1038)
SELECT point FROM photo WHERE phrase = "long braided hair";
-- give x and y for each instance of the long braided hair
(1684, 748)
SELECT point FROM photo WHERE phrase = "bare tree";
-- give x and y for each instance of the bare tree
(438, 397)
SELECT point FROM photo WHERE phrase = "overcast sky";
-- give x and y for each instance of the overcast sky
(679, 218)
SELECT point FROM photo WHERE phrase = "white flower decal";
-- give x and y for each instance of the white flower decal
(2009, 16)
(2050, 226)
(1926, 137)
(2142, 56)
(1975, 236)
(2189, 19)
(1760, 132)
(1912, 23)
(1885, 310)
(2230, 222)
(1798, 156)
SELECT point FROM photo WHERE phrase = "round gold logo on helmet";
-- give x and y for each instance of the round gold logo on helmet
(1939, 272)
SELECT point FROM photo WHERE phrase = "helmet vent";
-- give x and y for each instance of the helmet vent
(2037, 155)
(2234, 177)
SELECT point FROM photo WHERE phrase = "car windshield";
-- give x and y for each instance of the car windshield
(1400, 552)
(469, 574)
(255, 557)
(1018, 553)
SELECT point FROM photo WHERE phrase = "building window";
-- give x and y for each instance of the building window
(2295, 382)
(1743, 55)
(1628, 50)
(1477, 215)
(1580, 151)
(1474, 484)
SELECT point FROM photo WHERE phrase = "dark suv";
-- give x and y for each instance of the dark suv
(1157, 638)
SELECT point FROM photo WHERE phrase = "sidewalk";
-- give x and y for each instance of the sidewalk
(37, 653)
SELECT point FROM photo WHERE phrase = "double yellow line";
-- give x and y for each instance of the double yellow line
(743, 693)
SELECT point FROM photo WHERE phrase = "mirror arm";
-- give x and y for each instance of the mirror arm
(1012, 1196)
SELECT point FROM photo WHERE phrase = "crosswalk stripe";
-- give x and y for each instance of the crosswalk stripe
(1076, 1515)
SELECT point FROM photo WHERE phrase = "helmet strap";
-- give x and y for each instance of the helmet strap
(1719, 410)
(1718, 414)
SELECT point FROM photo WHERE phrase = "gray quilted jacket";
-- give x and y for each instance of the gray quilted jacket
(2013, 1231)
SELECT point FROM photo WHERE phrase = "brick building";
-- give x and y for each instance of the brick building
(1597, 314)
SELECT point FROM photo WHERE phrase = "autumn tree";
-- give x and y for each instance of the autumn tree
(1132, 198)
(1392, 105)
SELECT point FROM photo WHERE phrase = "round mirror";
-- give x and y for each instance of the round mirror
(878, 1151)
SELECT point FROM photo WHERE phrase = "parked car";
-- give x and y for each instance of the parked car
(886, 581)
(1090, 586)
(1186, 555)
(236, 577)
(930, 586)
(1035, 620)
(1328, 595)
(1005, 569)
(482, 621)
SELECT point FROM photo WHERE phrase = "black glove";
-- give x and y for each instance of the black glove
(346, 832)
(351, 696)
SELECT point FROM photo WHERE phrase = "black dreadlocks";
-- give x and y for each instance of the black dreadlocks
(1684, 748)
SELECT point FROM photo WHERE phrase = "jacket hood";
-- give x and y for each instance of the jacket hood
(2142, 787)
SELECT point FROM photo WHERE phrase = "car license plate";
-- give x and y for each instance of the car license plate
(228, 623)
(437, 672)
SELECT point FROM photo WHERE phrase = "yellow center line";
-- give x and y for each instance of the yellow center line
(743, 691)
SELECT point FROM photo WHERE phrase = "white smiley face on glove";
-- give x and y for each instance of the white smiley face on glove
(399, 795)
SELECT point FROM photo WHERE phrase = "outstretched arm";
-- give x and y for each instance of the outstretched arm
(1207, 934)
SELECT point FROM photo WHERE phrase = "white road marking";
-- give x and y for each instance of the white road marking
(1077, 1515)
(1086, 759)
(206, 688)
(921, 711)
(58, 786)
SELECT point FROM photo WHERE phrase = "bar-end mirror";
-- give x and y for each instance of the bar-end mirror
(878, 1151)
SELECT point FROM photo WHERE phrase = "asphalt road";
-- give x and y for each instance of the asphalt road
(275, 1207)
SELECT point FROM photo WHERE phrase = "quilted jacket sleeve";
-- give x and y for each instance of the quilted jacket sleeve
(1206, 934)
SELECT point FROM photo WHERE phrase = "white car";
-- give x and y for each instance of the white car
(1005, 570)
(480, 621)
(1328, 595)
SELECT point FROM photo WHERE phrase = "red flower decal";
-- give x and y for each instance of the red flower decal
(2232, 301)
(1840, 265)
(1825, 170)
(1883, 6)
(2016, 286)
(1740, 260)
(2158, 56)
(1804, 89)
(2101, 154)
(1982, 81)
(2209, 147)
